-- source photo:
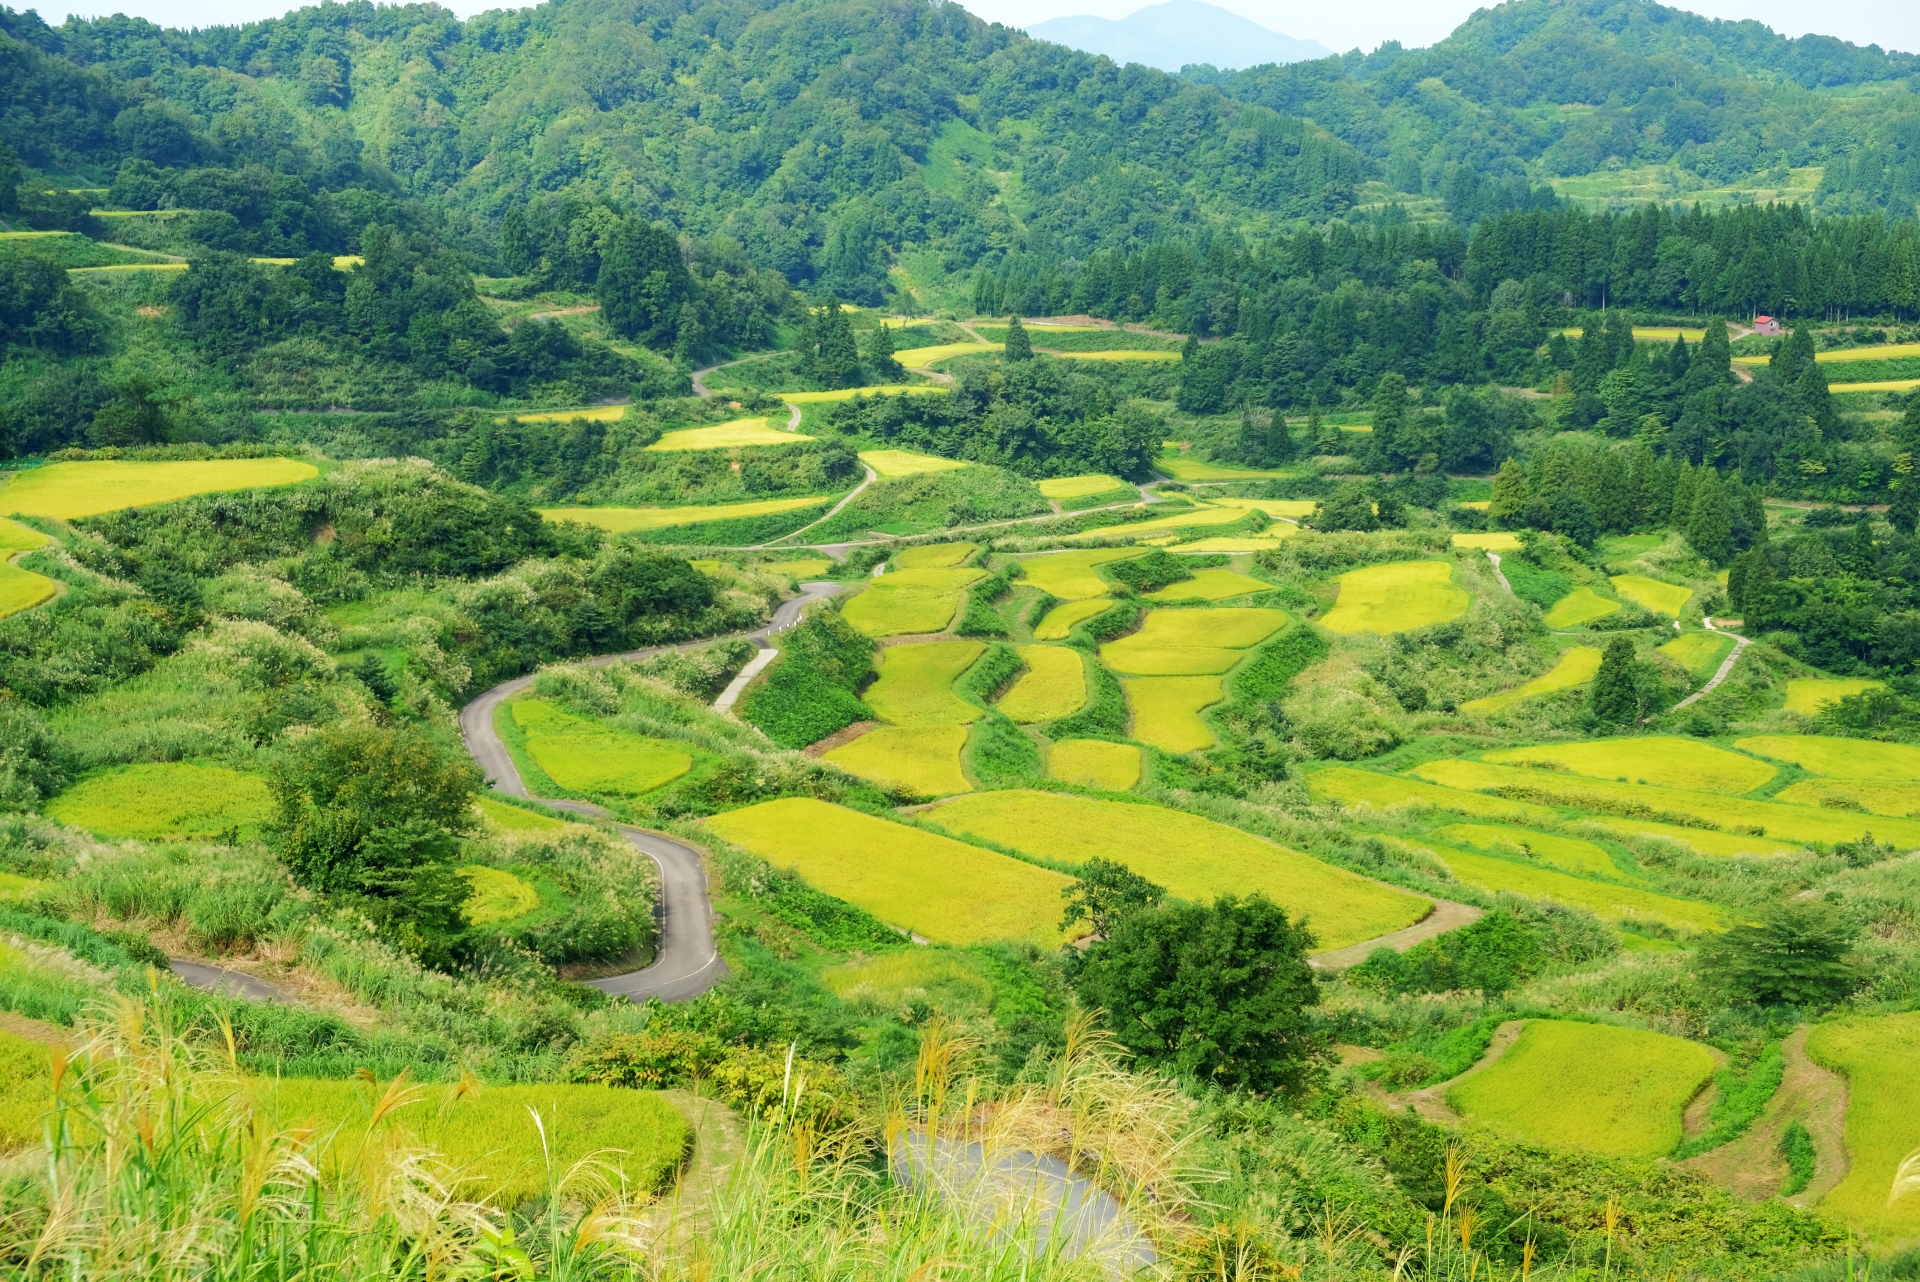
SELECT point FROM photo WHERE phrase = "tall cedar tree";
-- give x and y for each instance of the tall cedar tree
(643, 281)
(1018, 346)
(1709, 527)
(880, 353)
(1614, 700)
(1510, 494)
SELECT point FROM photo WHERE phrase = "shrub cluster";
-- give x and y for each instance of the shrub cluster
(812, 689)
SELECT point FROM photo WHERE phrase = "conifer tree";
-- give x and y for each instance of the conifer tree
(1903, 514)
(1709, 529)
(1759, 596)
(1680, 511)
(1614, 701)
(1318, 432)
(1389, 416)
(1510, 494)
(1712, 363)
(1018, 346)
(880, 353)
(1860, 558)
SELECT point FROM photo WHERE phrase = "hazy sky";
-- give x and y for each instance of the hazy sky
(1364, 24)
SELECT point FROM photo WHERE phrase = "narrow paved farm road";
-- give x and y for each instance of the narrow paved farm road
(1726, 665)
(687, 964)
(1446, 916)
(831, 512)
(227, 983)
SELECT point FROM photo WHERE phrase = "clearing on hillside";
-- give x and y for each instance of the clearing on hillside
(916, 683)
(73, 490)
(922, 759)
(1166, 710)
(1069, 575)
(933, 556)
(1053, 686)
(585, 756)
(1194, 858)
(1702, 840)
(1492, 541)
(1878, 1055)
(1287, 509)
(1652, 594)
(1608, 902)
(891, 465)
(805, 568)
(1807, 695)
(165, 799)
(917, 357)
(1398, 597)
(1575, 668)
(1656, 759)
(623, 520)
(1095, 763)
(1080, 487)
(1353, 787)
(938, 888)
(1591, 1087)
(947, 978)
(742, 433)
(1582, 605)
(1568, 853)
(1060, 620)
(1215, 584)
(1841, 758)
(907, 602)
(1184, 467)
(1699, 653)
(1191, 642)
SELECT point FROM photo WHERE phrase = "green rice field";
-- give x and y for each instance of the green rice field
(1397, 597)
(1194, 518)
(1656, 759)
(924, 759)
(1582, 605)
(1070, 575)
(1575, 668)
(1843, 758)
(1191, 642)
(1880, 796)
(1877, 1055)
(933, 556)
(623, 520)
(585, 756)
(497, 896)
(890, 465)
(916, 683)
(1699, 653)
(69, 491)
(1059, 621)
(742, 433)
(1353, 787)
(1095, 763)
(1080, 487)
(908, 602)
(165, 799)
(1569, 854)
(1652, 594)
(505, 818)
(1491, 541)
(1194, 858)
(21, 589)
(1166, 710)
(938, 888)
(1807, 695)
(1215, 584)
(1053, 686)
(804, 568)
(1594, 1088)
(1184, 467)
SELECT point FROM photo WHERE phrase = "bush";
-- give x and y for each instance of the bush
(1001, 755)
(1492, 955)
(1157, 569)
(811, 690)
(981, 619)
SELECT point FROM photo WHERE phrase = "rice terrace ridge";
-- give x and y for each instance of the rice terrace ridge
(873, 646)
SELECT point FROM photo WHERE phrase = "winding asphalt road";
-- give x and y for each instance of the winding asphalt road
(687, 964)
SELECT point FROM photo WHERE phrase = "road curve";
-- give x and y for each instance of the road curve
(687, 963)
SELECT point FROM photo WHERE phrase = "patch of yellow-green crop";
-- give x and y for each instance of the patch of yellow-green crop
(622, 520)
(73, 490)
(1652, 594)
(1080, 487)
(1569, 854)
(920, 357)
(488, 1135)
(892, 464)
(1877, 1054)
(1704, 841)
(1265, 541)
(1117, 356)
(805, 568)
(1166, 710)
(944, 890)
(26, 1090)
(907, 602)
(1095, 763)
(1490, 541)
(1070, 575)
(1060, 620)
(848, 393)
(1657, 759)
(1053, 686)
(1605, 900)
(1217, 583)
(1288, 509)
(1807, 695)
(1193, 518)
(922, 759)
(506, 818)
(497, 896)
(585, 756)
(13, 886)
(21, 589)
(1842, 758)
(1590, 1087)
(1352, 787)
(1194, 858)
(1880, 796)
(945, 978)
(1184, 467)
(167, 799)
(1188, 643)
(1575, 668)
(592, 413)
(1397, 597)
(933, 556)
(741, 433)
(1699, 653)
(1582, 605)
(916, 683)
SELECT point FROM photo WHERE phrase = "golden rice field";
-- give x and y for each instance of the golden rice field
(924, 759)
(1187, 643)
(1060, 620)
(1652, 594)
(890, 465)
(69, 491)
(1701, 840)
(1885, 385)
(505, 818)
(1216, 583)
(1667, 760)
(1807, 695)
(495, 895)
(1117, 356)
(1070, 575)
(1594, 1088)
(1569, 854)
(1282, 509)
(938, 888)
(1053, 686)
(1095, 763)
(1194, 518)
(1397, 597)
(624, 520)
(848, 393)
(164, 799)
(921, 357)
(1880, 352)
(21, 589)
(1582, 605)
(1352, 787)
(805, 568)
(1182, 467)
(1194, 858)
(1266, 540)
(592, 413)
(1877, 1054)
(585, 756)
(1880, 796)
(742, 433)
(1491, 541)
(1080, 487)
(1575, 668)
(933, 556)
(1605, 900)
(1166, 711)
(1654, 334)
(916, 683)
(1845, 758)
(1699, 653)
(907, 602)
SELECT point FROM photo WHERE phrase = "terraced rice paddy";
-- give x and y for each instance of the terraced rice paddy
(807, 568)
(1053, 686)
(916, 684)
(1652, 594)
(1184, 467)
(1878, 1055)
(1059, 621)
(1491, 541)
(1699, 653)
(1282, 509)
(624, 520)
(1352, 787)
(1880, 796)
(1701, 840)
(496, 896)
(1070, 575)
(1575, 668)
(934, 556)
(1398, 597)
(591, 413)
(909, 601)
(1193, 518)
(1216, 583)
(1594, 1088)
(1657, 759)
(742, 433)
(1843, 758)
(1582, 605)
(1807, 695)
(585, 756)
(921, 357)
(939, 888)
(1117, 356)
(923, 759)
(1080, 487)
(165, 799)
(21, 589)
(1095, 763)
(1569, 854)
(505, 818)
(891, 465)
(1194, 858)
(848, 393)
(1605, 900)
(1265, 541)
(1166, 711)
(69, 491)
(1188, 643)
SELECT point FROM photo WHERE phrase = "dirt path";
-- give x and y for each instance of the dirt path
(719, 1141)
(585, 309)
(1498, 573)
(831, 512)
(1430, 1102)
(1751, 1167)
(1726, 666)
(1446, 916)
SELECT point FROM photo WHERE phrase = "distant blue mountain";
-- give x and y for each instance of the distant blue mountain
(1172, 35)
